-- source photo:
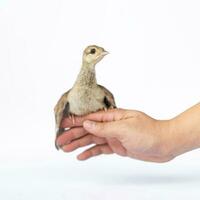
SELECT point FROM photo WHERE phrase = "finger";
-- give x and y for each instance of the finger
(117, 147)
(95, 151)
(101, 116)
(71, 134)
(84, 141)
(105, 129)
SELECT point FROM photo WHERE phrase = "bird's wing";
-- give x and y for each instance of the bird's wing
(61, 109)
(109, 100)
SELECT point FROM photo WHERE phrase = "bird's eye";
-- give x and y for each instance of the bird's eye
(92, 51)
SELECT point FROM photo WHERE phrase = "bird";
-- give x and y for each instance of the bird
(85, 96)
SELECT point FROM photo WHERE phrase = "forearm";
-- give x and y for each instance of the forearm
(185, 131)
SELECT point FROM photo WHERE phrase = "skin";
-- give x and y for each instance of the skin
(132, 133)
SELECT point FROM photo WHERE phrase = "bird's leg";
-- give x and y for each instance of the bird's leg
(71, 117)
(112, 107)
(105, 109)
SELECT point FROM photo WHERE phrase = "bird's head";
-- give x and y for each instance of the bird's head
(93, 54)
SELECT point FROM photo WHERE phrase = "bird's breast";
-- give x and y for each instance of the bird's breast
(84, 100)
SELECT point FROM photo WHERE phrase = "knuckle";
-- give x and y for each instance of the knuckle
(100, 127)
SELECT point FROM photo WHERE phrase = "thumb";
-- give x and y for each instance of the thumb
(102, 129)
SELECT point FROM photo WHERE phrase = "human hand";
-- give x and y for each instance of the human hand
(124, 132)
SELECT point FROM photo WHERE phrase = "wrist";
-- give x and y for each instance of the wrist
(184, 137)
(166, 144)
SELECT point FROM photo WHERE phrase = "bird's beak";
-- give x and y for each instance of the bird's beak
(104, 53)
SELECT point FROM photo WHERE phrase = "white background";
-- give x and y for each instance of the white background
(153, 66)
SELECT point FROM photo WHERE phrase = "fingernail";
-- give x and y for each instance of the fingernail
(89, 124)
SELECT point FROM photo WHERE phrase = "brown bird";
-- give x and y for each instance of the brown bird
(86, 96)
